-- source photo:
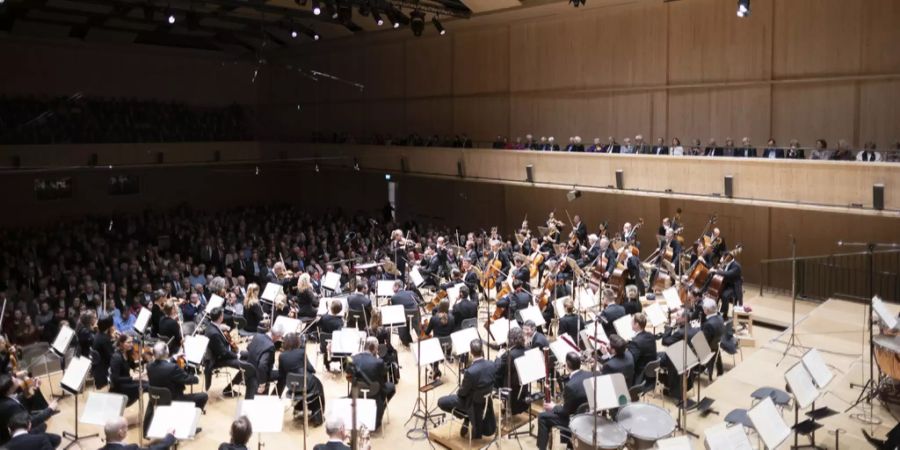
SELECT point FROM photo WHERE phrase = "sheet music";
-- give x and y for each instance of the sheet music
(63, 339)
(673, 300)
(272, 291)
(217, 302)
(332, 281)
(534, 314)
(675, 443)
(623, 327)
(559, 306)
(101, 407)
(265, 412)
(530, 366)
(801, 384)
(462, 338)
(562, 347)
(346, 341)
(393, 315)
(288, 324)
(180, 416)
(417, 279)
(727, 438)
(612, 392)
(817, 368)
(431, 351)
(676, 354)
(768, 423)
(586, 299)
(593, 330)
(453, 293)
(195, 348)
(365, 412)
(384, 288)
(881, 310)
(325, 305)
(655, 315)
(75, 374)
(500, 330)
(142, 320)
(701, 348)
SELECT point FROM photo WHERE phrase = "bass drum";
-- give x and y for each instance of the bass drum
(887, 355)
(610, 435)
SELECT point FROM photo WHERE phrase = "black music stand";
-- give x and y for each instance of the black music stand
(73, 382)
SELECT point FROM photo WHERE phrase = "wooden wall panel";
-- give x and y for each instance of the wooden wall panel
(708, 42)
(429, 116)
(721, 113)
(384, 71)
(481, 61)
(880, 35)
(879, 111)
(349, 64)
(816, 37)
(807, 113)
(429, 69)
(481, 117)
(387, 116)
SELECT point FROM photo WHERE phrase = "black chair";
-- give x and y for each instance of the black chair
(294, 383)
(99, 372)
(730, 344)
(159, 396)
(468, 323)
(358, 319)
(241, 323)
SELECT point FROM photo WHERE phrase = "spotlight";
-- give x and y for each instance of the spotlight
(293, 34)
(171, 19)
(438, 26)
(316, 8)
(743, 9)
(417, 22)
(377, 17)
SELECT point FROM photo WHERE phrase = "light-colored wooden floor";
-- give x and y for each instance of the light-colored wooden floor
(835, 327)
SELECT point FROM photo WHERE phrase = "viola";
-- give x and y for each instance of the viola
(491, 272)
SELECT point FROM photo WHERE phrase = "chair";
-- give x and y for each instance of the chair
(241, 323)
(159, 396)
(294, 383)
(651, 372)
(324, 340)
(99, 373)
(567, 437)
(452, 418)
(730, 344)
(371, 390)
(469, 323)
(357, 319)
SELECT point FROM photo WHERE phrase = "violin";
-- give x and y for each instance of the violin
(227, 333)
(29, 384)
(137, 355)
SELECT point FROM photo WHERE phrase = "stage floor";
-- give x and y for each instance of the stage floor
(834, 327)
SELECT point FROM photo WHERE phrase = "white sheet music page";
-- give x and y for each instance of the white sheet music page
(701, 348)
(676, 354)
(142, 320)
(102, 406)
(325, 305)
(461, 340)
(266, 413)
(673, 300)
(216, 301)
(287, 324)
(727, 438)
(884, 315)
(384, 288)
(180, 416)
(655, 315)
(76, 373)
(63, 339)
(559, 306)
(500, 330)
(768, 423)
(530, 366)
(534, 314)
(416, 277)
(393, 315)
(195, 348)
(332, 281)
(816, 367)
(272, 291)
(801, 384)
(345, 341)
(675, 443)
(365, 412)
(431, 351)
(623, 327)
(591, 333)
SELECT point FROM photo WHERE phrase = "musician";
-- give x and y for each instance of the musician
(506, 375)
(632, 302)
(103, 345)
(170, 329)
(116, 431)
(455, 278)
(477, 381)
(633, 269)
(470, 277)
(221, 355)
(617, 358)
(612, 310)
(22, 438)
(87, 326)
(471, 253)
(241, 430)
(628, 232)
(499, 255)
(673, 335)
(371, 368)
(718, 245)
(307, 301)
(515, 301)
(164, 373)
(261, 355)
(533, 337)
(571, 323)
(360, 302)
(329, 324)
(253, 310)
(593, 251)
(397, 250)
(574, 395)
(293, 360)
(410, 302)
(522, 272)
(732, 283)
(280, 275)
(579, 229)
(337, 434)
(442, 323)
(11, 405)
(120, 367)
(464, 308)
(610, 254)
(642, 346)
(713, 329)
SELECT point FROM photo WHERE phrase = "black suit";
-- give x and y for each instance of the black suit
(332, 445)
(623, 364)
(581, 232)
(507, 376)
(477, 381)
(539, 341)
(514, 302)
(633, 267)
(230, 446)
(570, 324)
(473, 283)
(170, 328)
(643, 348)
(732, 286)
(779, 153)
(408, 300)
(610, 314)
(671, 336)
(713, 329)
(713, 151)
(372, 368)
(31, 441)
(168, 442)
(462, 310)
(120, 381)
(220, 355)
(100, 369)
(261, 354)
(660, 150)
(574, 395)
(307, 304)
(295, 361)
(745, 152)
(9, 407)
(166, 374)
(359, 302)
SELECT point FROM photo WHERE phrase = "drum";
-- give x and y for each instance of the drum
(645, 424)
(887, 355)
(610, 435)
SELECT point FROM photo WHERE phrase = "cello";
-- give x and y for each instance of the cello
(715, 285)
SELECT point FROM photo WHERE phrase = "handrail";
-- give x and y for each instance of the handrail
(832, 255)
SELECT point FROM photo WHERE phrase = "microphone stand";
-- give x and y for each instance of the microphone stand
(793, 340)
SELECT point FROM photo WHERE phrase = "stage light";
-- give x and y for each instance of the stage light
(294, 34)
(171, 19)
(438, 26)
(316, 8)
(743, 9)
(377, 17)
(417, 22)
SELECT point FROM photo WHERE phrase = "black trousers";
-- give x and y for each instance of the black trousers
(132, 391)
(387, 393)
(546, 422)
(245, 367)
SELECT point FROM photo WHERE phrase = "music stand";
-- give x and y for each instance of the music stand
(416, 278)
(675, 443)
(805, 391)
(499, 329)
(73, 382)
(58, 348)
(723, 437)
(366, 411)
(611, 392)
(426, 352)
(592, 335)
(101, 407)
(704, 355)
(265, 413)
(769, 424)
(142, 321)
(623, 327)
(655, 315)
(673, 300)
(288, 324)
(182, 417)
(332, 282)
(683, 359)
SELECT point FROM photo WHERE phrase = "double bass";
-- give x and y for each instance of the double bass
(715, 285)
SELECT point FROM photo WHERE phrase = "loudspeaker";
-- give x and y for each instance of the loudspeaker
(93, 159)
(573, 194)
(460, 169)
(404, 164)
(16, 161)
(217, 156)
(878, 196)
(160, 157)
(529, 173)
(729, 186)
(620, 179)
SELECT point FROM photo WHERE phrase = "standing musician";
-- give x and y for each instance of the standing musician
(579, 229)
(633, 268)
(222, 354)
(477, 382)
(371, 369)
(410, 302)
(574, 395)
(397, 250)
(430, 267)
(293, 360)
(507, 376)
(120, 367)
(164, 373)
(668, 242)
(571, 323)
(717, 242)
(497, 254)
(515, 301)
(464, 308)
(629, 233)
(732, 283)
(170, 329)
(11, 405)
(609, 253)
(103, 344)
